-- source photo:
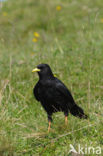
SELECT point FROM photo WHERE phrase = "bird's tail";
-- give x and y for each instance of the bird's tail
(78, 111)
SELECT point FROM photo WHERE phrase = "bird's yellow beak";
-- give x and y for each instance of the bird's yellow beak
(35, 70)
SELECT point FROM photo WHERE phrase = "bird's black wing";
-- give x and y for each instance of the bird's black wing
(36, 92)
(64, 92)
(73, 107)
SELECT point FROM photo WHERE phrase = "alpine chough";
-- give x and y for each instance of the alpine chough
(54, 95)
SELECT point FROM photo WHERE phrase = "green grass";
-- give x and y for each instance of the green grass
(71, 42)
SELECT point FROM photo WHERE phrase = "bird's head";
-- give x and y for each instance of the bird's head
(43, 71)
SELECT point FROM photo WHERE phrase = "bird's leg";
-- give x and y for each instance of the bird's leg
(49, 126)
(49, 119)
(66, 117)
(66, 120)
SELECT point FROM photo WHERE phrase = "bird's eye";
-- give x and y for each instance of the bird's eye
(41, 68)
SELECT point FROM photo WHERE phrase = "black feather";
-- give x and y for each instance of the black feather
(54, 95)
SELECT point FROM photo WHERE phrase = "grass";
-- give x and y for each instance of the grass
(71, 42)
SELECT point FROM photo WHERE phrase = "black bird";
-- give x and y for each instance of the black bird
(54, 95)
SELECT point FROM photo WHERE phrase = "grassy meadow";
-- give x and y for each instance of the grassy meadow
(68, 35)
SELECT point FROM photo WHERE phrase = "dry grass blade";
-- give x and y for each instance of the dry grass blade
(4, 85)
